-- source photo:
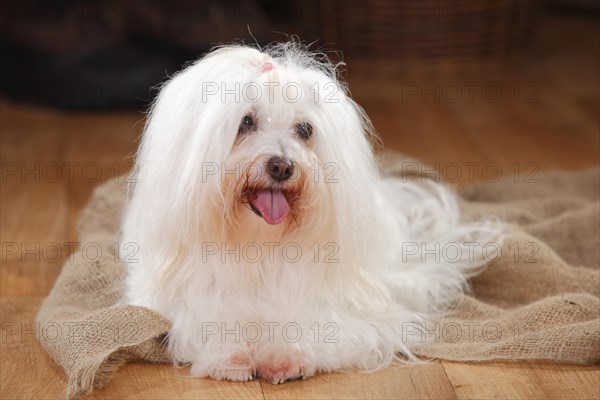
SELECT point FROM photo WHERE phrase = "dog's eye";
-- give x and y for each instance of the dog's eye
(247, 124)
(304, 130)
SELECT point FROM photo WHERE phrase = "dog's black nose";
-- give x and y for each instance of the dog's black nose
(280, 168)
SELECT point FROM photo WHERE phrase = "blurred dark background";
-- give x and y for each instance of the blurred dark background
(96, 55)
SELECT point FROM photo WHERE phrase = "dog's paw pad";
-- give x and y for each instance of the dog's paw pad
(279, 369)
(239, 368)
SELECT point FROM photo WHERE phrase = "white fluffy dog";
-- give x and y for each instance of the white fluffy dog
(268, 236)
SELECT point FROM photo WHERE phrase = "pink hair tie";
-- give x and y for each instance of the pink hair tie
(267, 67)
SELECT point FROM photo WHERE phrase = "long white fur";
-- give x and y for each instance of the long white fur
(175, 208)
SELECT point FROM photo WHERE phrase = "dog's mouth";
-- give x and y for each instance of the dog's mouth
(271, 205)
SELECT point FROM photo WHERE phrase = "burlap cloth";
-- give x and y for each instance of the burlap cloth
(538, 301)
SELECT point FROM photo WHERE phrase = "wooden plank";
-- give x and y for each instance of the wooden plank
(26, 370)
(33, 206)
(396, 382)
(145, 381)
(522, 380)
(51, 163)
(102, 153)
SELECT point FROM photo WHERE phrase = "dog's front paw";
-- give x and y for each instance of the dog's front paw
(278, 368)
(238, 368)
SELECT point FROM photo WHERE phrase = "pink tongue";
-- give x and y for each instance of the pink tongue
(273, 206)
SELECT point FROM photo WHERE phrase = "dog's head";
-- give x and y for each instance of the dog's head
(274, 150)
(263, 139)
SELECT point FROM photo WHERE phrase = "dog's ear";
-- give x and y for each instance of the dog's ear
(347, 174)
(191, 123)
(189, 129)
(343, 136)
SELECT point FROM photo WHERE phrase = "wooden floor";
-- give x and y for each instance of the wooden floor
(560, 129)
